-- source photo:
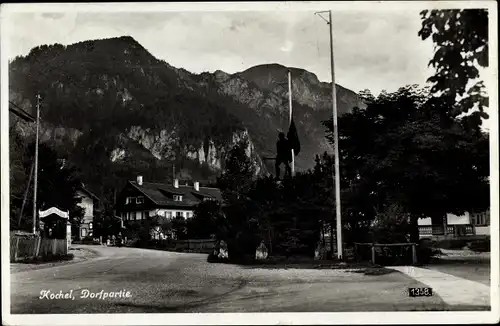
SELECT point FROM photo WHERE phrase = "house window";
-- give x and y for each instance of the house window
(139, 200)
(83, 232)
(169, 214)
(179, 214)
(139, 215)
(177, 198)
(129, 200)
(480, 219)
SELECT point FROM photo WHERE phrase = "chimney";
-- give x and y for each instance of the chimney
(196, 186)
(139, 180)
(176, 183)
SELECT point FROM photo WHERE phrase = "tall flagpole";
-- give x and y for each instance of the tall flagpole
(290, 120)
(35, 183)
(336, 141)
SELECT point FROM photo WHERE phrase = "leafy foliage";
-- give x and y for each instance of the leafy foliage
(238, 173)
(460, 37)
(57, 184)
(404, 155)
(204, 224)
(391, 225)
(286, 217)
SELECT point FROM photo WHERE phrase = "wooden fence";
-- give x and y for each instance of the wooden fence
(192, 245)
(391, 252)
(23, 247)
(452, 230)
(196, 245)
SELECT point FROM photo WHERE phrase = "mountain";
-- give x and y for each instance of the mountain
(116, 111)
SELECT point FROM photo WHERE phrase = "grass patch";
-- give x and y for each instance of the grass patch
(375, 271)
(47, 259)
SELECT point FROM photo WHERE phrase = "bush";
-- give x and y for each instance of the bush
(48, 259)
(390, 226)
(451, 244)
(426, 251)
(213, 258)
(482, 245)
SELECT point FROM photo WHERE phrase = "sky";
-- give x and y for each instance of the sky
(373, 50)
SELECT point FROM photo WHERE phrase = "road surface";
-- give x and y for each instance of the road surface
(162, 282)
(465, 264)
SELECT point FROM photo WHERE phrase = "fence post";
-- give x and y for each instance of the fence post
(37, 246)
(373, 254)
(414, 253)
(356, 251)
(16, 251)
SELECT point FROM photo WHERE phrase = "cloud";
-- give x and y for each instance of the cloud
(287, 47)
(373, 50)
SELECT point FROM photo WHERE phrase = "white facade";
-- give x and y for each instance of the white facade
(87, 203)
(167, 213)
(171, 213)
(480, 221)
(477, 219)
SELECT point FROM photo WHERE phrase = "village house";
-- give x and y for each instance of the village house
(90, 203)
(140, 200)
(468, 225)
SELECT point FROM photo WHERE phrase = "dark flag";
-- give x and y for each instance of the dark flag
(293, 138)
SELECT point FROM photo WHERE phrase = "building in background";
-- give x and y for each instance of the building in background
(469, 225)
(90, 204)
(139, 200)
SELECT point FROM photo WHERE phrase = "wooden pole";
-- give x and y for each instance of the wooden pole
(336, 170)
(336, 154)
(35, 184)
(290, 120)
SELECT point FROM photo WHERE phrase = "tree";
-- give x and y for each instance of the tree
(404, 155)
(57, 185)
(21, 180)
(460, 39)
(239, 172)
(390, 225)
(179, 227)
(204, 224)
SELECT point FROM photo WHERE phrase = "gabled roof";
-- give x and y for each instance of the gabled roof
(160, 193)
(88, 192)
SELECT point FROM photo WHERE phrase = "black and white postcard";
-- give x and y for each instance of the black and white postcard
(249, 163)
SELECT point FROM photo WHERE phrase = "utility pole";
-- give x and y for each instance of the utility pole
(336, 175)
(35, 183)
(290, 120)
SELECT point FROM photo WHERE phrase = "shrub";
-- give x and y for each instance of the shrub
(390, 226)
(482, 245)
(49, 258)
(426, 251)
(451, 244)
